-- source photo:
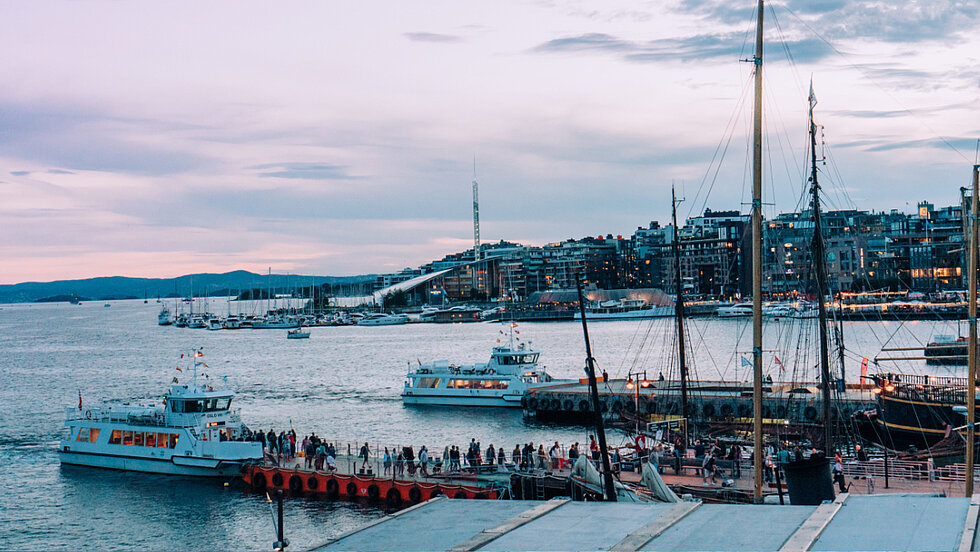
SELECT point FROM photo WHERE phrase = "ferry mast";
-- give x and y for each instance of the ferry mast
(679, 311)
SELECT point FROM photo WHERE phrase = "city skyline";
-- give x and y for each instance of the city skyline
(148, 140)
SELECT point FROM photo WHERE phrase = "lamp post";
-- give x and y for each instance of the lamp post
(635, 388)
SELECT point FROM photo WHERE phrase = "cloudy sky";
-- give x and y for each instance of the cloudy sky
(162, 138)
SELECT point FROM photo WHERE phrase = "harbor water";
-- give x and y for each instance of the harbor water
(344, 383)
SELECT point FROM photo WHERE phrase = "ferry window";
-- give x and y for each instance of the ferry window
(192, 406)
(429, 383)
(116, 437)
(82, 434)
(173, 440)
(532, 358)
(127, 438)
(222, 404)
(162, 439)
(93, 435)
(138, 438)
(151, 439)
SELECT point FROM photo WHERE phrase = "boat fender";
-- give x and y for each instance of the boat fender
(312, 482)
(333, 488)
(393, 498)
(532, 403)
(583, 406)
(459, 494)
(415, 495)
(258, 481)
(295, 483)
(810, 413)
(435, 493)
(568, 405)
(373, 492)
(727, 410)
(88, 414)
(277, 479)
(351, 489)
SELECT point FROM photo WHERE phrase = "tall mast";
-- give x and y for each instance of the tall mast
(476, 216)
(971, 378)
(757, 262)
(818, 261)
(594, 390)
(679, 310)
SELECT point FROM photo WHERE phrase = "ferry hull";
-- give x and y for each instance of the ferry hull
(629, 315)
(512, 401)
(187, 466)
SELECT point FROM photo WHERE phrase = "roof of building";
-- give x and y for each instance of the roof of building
(877, 522)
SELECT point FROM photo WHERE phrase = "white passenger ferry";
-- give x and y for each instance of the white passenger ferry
(195, 432)
(500, 382)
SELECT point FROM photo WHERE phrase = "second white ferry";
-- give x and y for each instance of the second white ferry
(500, 382)
(195, 432)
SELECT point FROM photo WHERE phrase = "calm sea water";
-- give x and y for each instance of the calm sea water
(343, 383)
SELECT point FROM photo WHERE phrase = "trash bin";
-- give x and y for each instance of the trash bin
(808, 481)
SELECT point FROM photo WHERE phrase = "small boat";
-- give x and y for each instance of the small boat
(947, 350)
(298, 333)
(194, 432)
(625, 309)
(107, 305)
(163, 318)
(500, 382)
(275, 323)
(738, 310)
(383, 319)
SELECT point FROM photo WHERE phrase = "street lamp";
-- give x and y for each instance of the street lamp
(635, 388)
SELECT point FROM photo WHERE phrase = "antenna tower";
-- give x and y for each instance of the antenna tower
(476, 216)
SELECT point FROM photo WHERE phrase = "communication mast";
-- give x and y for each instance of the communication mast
(476, 216)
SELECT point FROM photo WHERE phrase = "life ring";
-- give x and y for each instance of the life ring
(351, 489)
(459, 494)
(532, 403)
(258, 482)
(727, 410)
(415, 495)
(393, 498)
(88, 414)
(708, 410)
(583, 406)
(312, 482)
(373, 492)
(435, 493)
(333, 488)
(277, 479)
(568, 405)
(641, 441)
(295, 483)
(810, 413)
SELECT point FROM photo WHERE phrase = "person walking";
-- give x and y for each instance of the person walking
(386, 461)
(424, 461)
(838, 472)
(364, 453)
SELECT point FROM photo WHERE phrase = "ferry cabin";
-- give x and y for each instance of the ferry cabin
(195, 434)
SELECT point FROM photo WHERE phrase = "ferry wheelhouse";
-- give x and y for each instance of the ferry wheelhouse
(500, 382)
(194, 433)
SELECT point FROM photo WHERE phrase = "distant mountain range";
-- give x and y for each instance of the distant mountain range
(121, 287)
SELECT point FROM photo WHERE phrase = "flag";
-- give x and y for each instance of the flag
(198, 354)
(79, 399)
(779, 363)
(864, 367)
(813, 97)
(205, 364)
(179, 370)
(224, 378)
(513, 324)
(746, 362)
(181, 355)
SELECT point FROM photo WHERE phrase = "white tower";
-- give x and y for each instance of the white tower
(476, 216)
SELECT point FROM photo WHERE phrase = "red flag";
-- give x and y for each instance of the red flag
(779, 363)
(179, 370)
(864, 368)
(79, 399)
(181, 355)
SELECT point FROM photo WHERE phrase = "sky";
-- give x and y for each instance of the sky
(154, 139)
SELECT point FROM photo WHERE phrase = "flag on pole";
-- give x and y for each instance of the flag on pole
(181, 355)
(813, 97)
(198, 354)
(746, 362)
(179, 370)
(779, 363)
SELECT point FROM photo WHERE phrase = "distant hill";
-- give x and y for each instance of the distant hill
(111, 287)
